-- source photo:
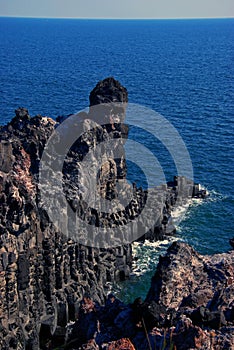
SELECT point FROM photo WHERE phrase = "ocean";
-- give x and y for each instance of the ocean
(182, 69)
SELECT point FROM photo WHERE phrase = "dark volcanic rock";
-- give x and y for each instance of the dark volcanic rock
(185, 279)
(189, 306)
(199, 291)
(231, 241)
(44, 273)
(107, 91)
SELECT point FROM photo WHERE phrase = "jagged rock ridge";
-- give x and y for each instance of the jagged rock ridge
(44, 274)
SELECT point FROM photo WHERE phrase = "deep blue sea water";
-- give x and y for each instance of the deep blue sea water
(182, 69)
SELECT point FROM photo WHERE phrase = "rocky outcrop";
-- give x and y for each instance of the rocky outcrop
(107, 91)
(190, 305)
(198, 293)
(43, 272)
(185, 279)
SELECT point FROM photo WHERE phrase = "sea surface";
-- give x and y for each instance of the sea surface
(182, 69)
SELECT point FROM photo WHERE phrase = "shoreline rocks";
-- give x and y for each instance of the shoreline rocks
(190, 305)
(43, 273)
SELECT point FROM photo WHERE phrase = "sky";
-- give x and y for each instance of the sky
(118, 8)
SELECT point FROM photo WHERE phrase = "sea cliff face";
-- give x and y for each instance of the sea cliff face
(43, 272)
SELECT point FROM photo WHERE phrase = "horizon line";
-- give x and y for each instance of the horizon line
(119, 18)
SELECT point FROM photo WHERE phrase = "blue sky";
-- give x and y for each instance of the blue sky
(117, 8)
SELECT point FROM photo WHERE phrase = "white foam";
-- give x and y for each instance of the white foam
(180, 213)
(147, 254)
(215, 196)
(160, 243)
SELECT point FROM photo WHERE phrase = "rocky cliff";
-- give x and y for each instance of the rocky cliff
(190, 305)
(198, 293)
(43, 272)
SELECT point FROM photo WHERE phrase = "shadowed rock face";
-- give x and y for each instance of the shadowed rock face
(107, 91)
(43, 274)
